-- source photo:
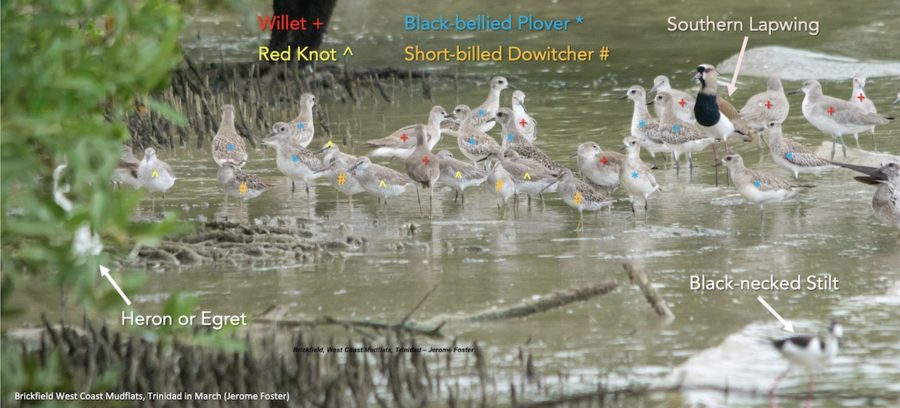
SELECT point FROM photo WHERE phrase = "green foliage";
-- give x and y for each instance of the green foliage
(71, 71)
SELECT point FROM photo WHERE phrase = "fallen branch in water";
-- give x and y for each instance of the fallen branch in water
(653, 297)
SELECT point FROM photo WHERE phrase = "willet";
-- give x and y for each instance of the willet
(483, 115)
(380, 181)
(678, 136)
(514, 140)
(791, 155)
(644, 127)
(636, 177)
(684, 103)
(757, 187)
(600, 167)
(126, 169)
(810, 352)
(459, 174)
(154, 174)
(527, 124)
(473, 143)
(858, 98)
(764, 107)
(402, 142)
(292, 159)
(835, 116)
(500, 183)
(580, 196)
(886, 202)
(228, 145)
(423, 167)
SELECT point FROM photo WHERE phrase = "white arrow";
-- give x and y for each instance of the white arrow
(737, 68)
(787, 325)
(104, 271)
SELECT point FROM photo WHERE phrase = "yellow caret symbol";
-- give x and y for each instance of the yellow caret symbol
(329, 144)
(458, 174)
(577, 198)
(342, 178)
(382, 184)
(527, 176)
(155, 174)
(499, 185)
(243, 188)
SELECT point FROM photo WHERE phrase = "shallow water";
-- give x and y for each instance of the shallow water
(478, 257)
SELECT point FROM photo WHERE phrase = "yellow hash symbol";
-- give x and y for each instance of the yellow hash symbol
(243, 188)
(499, 185)
(382, 184)
(342, 178)
(527, 176)
(458, 175)
(577, 198)
(155, 174)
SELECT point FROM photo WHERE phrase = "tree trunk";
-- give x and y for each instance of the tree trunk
(308, 9)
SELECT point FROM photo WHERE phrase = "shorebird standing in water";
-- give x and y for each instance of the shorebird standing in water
(684, 108)
(402, 142)
(858, 98)
(810, 352)
(715, 115)
(155, 175)
(126, 169)
(292, 159)
(644, 127)
(636, 176)
(835, 116)
(791, 155)
(237, 183)
(459, 174)
(380, 181)
(500, 183)
(473, 143)
(678, 136)
(757, 187)
(765, 107)
(600, 167)
(886, 202)
(527, 124)
(580, 196)
(227, 144)
(514, 140)
(483, 115)
(423, 167)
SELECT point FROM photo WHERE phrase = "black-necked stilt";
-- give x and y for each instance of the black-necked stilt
(811, 352)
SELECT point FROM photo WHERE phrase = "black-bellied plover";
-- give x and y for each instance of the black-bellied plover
(227, 144)
(791, 155)
(757, 187)
(636, 177)
(483, 115)
(644, 127)
(514, 140)
(834, 116)
(292, 159)
(473, 143)
(678, 136)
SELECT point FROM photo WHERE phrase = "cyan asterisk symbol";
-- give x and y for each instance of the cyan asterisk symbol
(510, 137)
(789, 156)
(642, 124)
(757, 183)
(229, 147)
(295, 158)
(676, 128)
(634, 175)
(301, 125)
(481, 112)
(579, 19)
(471, 140)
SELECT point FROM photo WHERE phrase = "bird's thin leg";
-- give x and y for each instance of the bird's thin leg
(292, 187)
(775, 384)
(690, 167)
(833, 145)
(812, 381)
(677, 167)
(431, 203)
(632, 208)
(856, 137)
(455, 195)
(843, 145)
(874, 142)
(419, 199)
(646, 205)
(580, 226)
(716, 160)
(307, 189)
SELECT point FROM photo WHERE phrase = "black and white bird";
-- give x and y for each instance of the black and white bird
(712, 113)
(810, 352)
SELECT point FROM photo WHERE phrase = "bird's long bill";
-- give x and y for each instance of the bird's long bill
(651, 102)
(549, 185)
(353, 167)
(573, 155)
(795, 91)
(653, 89)
(484, 158)
(718, 164)
(874, 172)
(511, 86)
(322, 149)
(622, 148)
(623, 97)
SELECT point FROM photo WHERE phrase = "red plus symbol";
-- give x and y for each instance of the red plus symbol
(831, 110)
(403, 137)
(861, 97)
(604, 160)
(768, 104)
(522, 122)
(682, 102)
(425, 160)
(318, 23)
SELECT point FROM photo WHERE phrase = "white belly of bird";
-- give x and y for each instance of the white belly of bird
(535, 187)
(720, 130)
(487, 126)
(399, 152)
(653, 147)
(295, 171)
(757, 196)
(811, 356)
(158, 184)
(640, 186)
(691, 147)
(828, 125)
(387, 190)
(785, 164)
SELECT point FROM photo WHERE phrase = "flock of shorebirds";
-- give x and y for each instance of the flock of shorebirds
(684, 125)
